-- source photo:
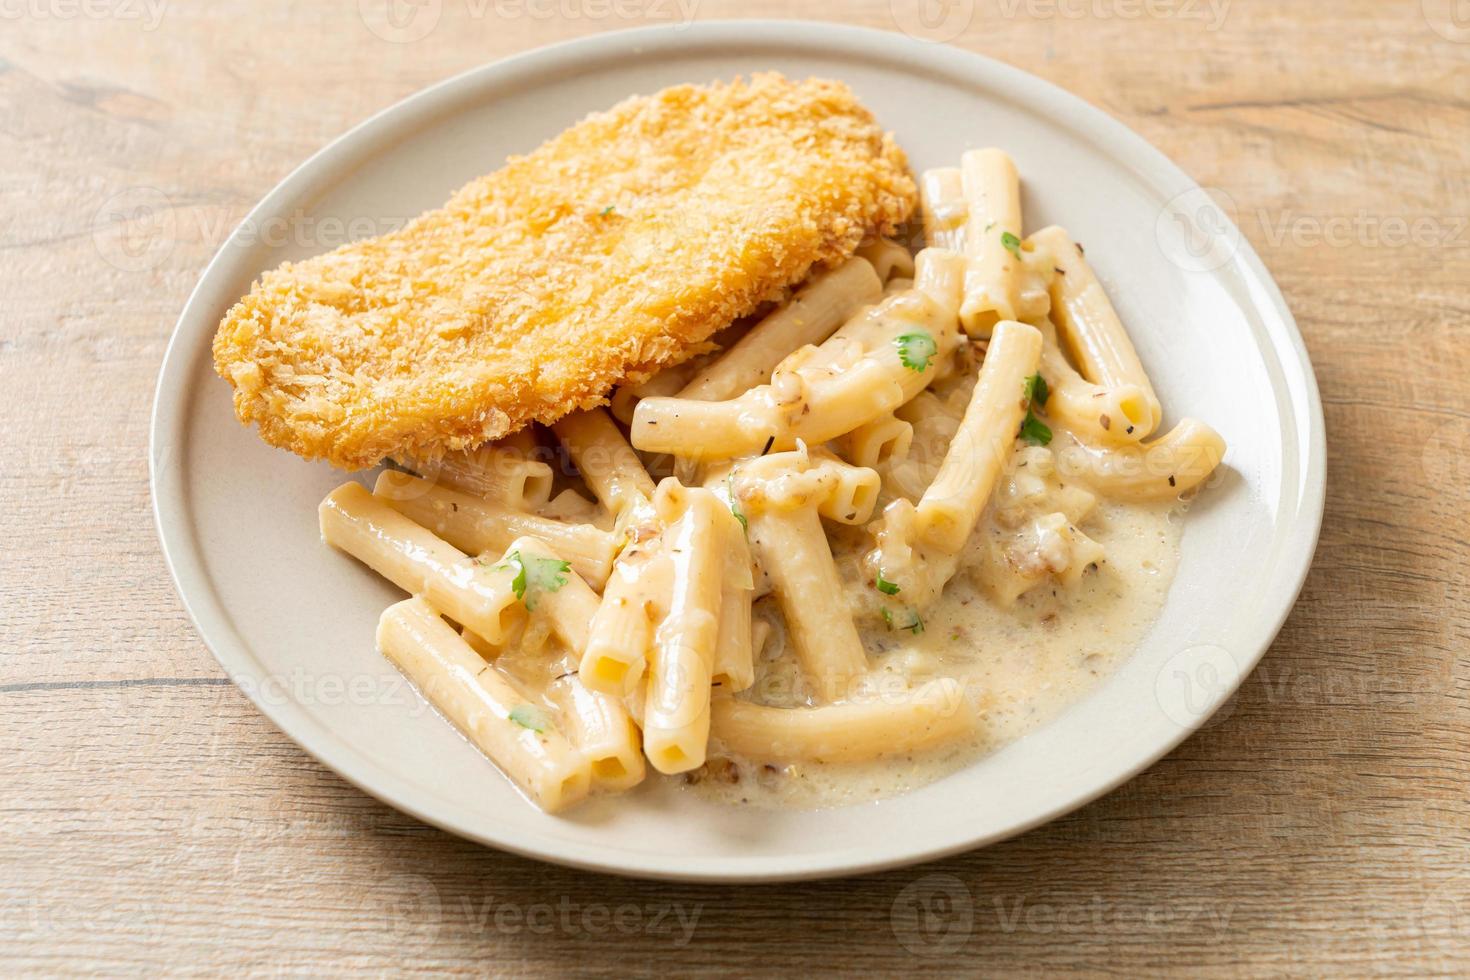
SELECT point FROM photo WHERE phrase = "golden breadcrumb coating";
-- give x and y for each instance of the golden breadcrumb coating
(613, 250)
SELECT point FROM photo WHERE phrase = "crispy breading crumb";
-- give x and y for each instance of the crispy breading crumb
(613, 250)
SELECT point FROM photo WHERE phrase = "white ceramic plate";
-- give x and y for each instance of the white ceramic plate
(292, 621)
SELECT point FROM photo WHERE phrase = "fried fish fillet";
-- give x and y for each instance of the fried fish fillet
(614, 249)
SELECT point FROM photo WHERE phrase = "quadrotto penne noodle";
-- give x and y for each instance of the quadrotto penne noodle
(478, 595)
(817, 309)
(502, 721)
(676, 707)
(858, 538)
(1090, 328)
(477, 526)
(1002, 281)
(495, 473)
(856, 732)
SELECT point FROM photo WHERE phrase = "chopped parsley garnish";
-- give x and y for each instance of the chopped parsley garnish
(529, 716)
(607, 210)
(916, 350)
(735, 504)
(884, 586)
(1011, 242)
(535, 575)
(914, 626)
(1036, 390)
(1034, 431)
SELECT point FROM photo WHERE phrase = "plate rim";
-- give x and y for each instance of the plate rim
(173, 520)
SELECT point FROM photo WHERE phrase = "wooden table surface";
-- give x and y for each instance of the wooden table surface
(150, 817)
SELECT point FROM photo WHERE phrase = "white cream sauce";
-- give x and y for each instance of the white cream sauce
(1027, 661)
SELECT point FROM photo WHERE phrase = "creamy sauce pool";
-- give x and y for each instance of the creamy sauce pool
(1027, 661)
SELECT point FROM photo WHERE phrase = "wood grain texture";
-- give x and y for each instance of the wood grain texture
(152, 819)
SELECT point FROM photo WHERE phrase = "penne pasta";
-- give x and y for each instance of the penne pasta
(477, 526)
(1089, 326)
(1116, 415)
(885, 441)
(607, 463)
(950, 507)
(550, 584)
(603, 732)
(676, 709)
(889, 259)
(494, 473)
(1170, 466)
(874, 363)
(414, 559)
(1002, 282)
(501, 720)
(827, 301)
(934, 714)
(709, 595)
(945, 209)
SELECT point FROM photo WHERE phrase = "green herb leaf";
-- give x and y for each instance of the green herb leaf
(529, 716)
(884, 586)
(916, 349)
(735, 503)
(914, 626)
(1036, 390)
(1034, 431)
(1011, 242)
(608, 210)
(535, 575)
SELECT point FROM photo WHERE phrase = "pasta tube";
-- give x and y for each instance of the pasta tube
(874, 363)
(477, 526)
(1120, 414)
(942, 200)
(414, 559)
(1090, 327)
(1000, 283)
(889, 259)
(816, 309)
(950, 507)
(494, 473)
(676, 712)
(549, 583)
(929, 716)
(485, 705)
(603, 731)
(607, 463)
(1164, 469)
